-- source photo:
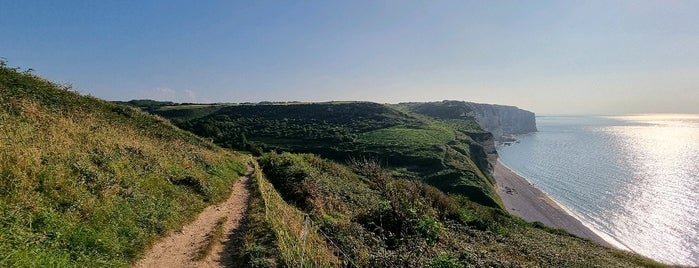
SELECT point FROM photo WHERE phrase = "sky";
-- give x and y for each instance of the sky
(549, 57)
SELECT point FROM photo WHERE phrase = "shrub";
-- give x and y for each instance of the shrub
(443, 261)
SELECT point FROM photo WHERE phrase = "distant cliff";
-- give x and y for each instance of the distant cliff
(500, 120)
(503, 121)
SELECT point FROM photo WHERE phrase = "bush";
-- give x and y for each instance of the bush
(443, 261)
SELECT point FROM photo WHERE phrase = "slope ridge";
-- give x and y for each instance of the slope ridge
(85, 182)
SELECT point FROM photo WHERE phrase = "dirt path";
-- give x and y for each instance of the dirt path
(180, 247)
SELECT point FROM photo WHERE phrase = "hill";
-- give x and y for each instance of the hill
(442, 153)
(501, 120)
(386, 186)
(88, 183)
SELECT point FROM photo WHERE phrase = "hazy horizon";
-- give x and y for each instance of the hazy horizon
(549, 57)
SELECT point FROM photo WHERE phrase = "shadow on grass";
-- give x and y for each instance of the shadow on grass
(233, 245)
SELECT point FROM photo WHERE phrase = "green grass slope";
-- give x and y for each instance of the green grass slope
(372, 219)
(174, 111)
(88, 183)
(411, 145)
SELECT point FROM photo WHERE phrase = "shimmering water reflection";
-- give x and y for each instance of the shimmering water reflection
(635, 178)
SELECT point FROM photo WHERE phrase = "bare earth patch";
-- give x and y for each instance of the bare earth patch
(180, 248)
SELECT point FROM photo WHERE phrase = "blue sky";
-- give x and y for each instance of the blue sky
(550, 57)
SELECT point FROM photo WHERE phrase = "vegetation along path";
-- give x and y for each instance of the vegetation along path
(201, 243)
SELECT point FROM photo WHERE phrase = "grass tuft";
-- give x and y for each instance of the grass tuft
(214, 236)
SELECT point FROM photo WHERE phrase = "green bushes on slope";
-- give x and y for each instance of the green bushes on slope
(410, 144)
(376, 220)
(295, 240)
(84, 182)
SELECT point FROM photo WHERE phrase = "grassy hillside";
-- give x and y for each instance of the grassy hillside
(88, 183)
(375, 220)
(390, 216)
(176, 112)
(413, 146)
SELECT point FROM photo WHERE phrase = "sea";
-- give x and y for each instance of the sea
(633, 179)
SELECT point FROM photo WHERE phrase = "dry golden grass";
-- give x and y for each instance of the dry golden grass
(287, 222)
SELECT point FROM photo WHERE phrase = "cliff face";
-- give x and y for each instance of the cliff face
(503, 121)
(500, 120)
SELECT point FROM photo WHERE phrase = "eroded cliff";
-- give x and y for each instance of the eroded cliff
(501, 120)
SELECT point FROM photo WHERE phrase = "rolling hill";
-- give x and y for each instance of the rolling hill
(442, 153)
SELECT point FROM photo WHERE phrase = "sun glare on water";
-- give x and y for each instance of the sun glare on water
(661, 149)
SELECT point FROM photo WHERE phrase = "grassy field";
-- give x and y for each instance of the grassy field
(88, 183)
(407, 137)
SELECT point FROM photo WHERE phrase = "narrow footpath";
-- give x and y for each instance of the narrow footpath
(182, 248)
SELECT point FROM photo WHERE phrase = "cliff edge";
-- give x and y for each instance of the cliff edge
(501, 120)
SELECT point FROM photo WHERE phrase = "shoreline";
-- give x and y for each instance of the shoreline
(524, 200)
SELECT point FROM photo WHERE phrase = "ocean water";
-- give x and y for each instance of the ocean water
(634, 178)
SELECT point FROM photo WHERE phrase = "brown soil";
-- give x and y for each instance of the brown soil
(179, 249)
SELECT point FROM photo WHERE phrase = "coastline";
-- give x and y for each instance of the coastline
(524, 200)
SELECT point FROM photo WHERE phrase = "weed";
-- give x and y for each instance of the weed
(443, 261)
(288, 225)
(214, 236)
